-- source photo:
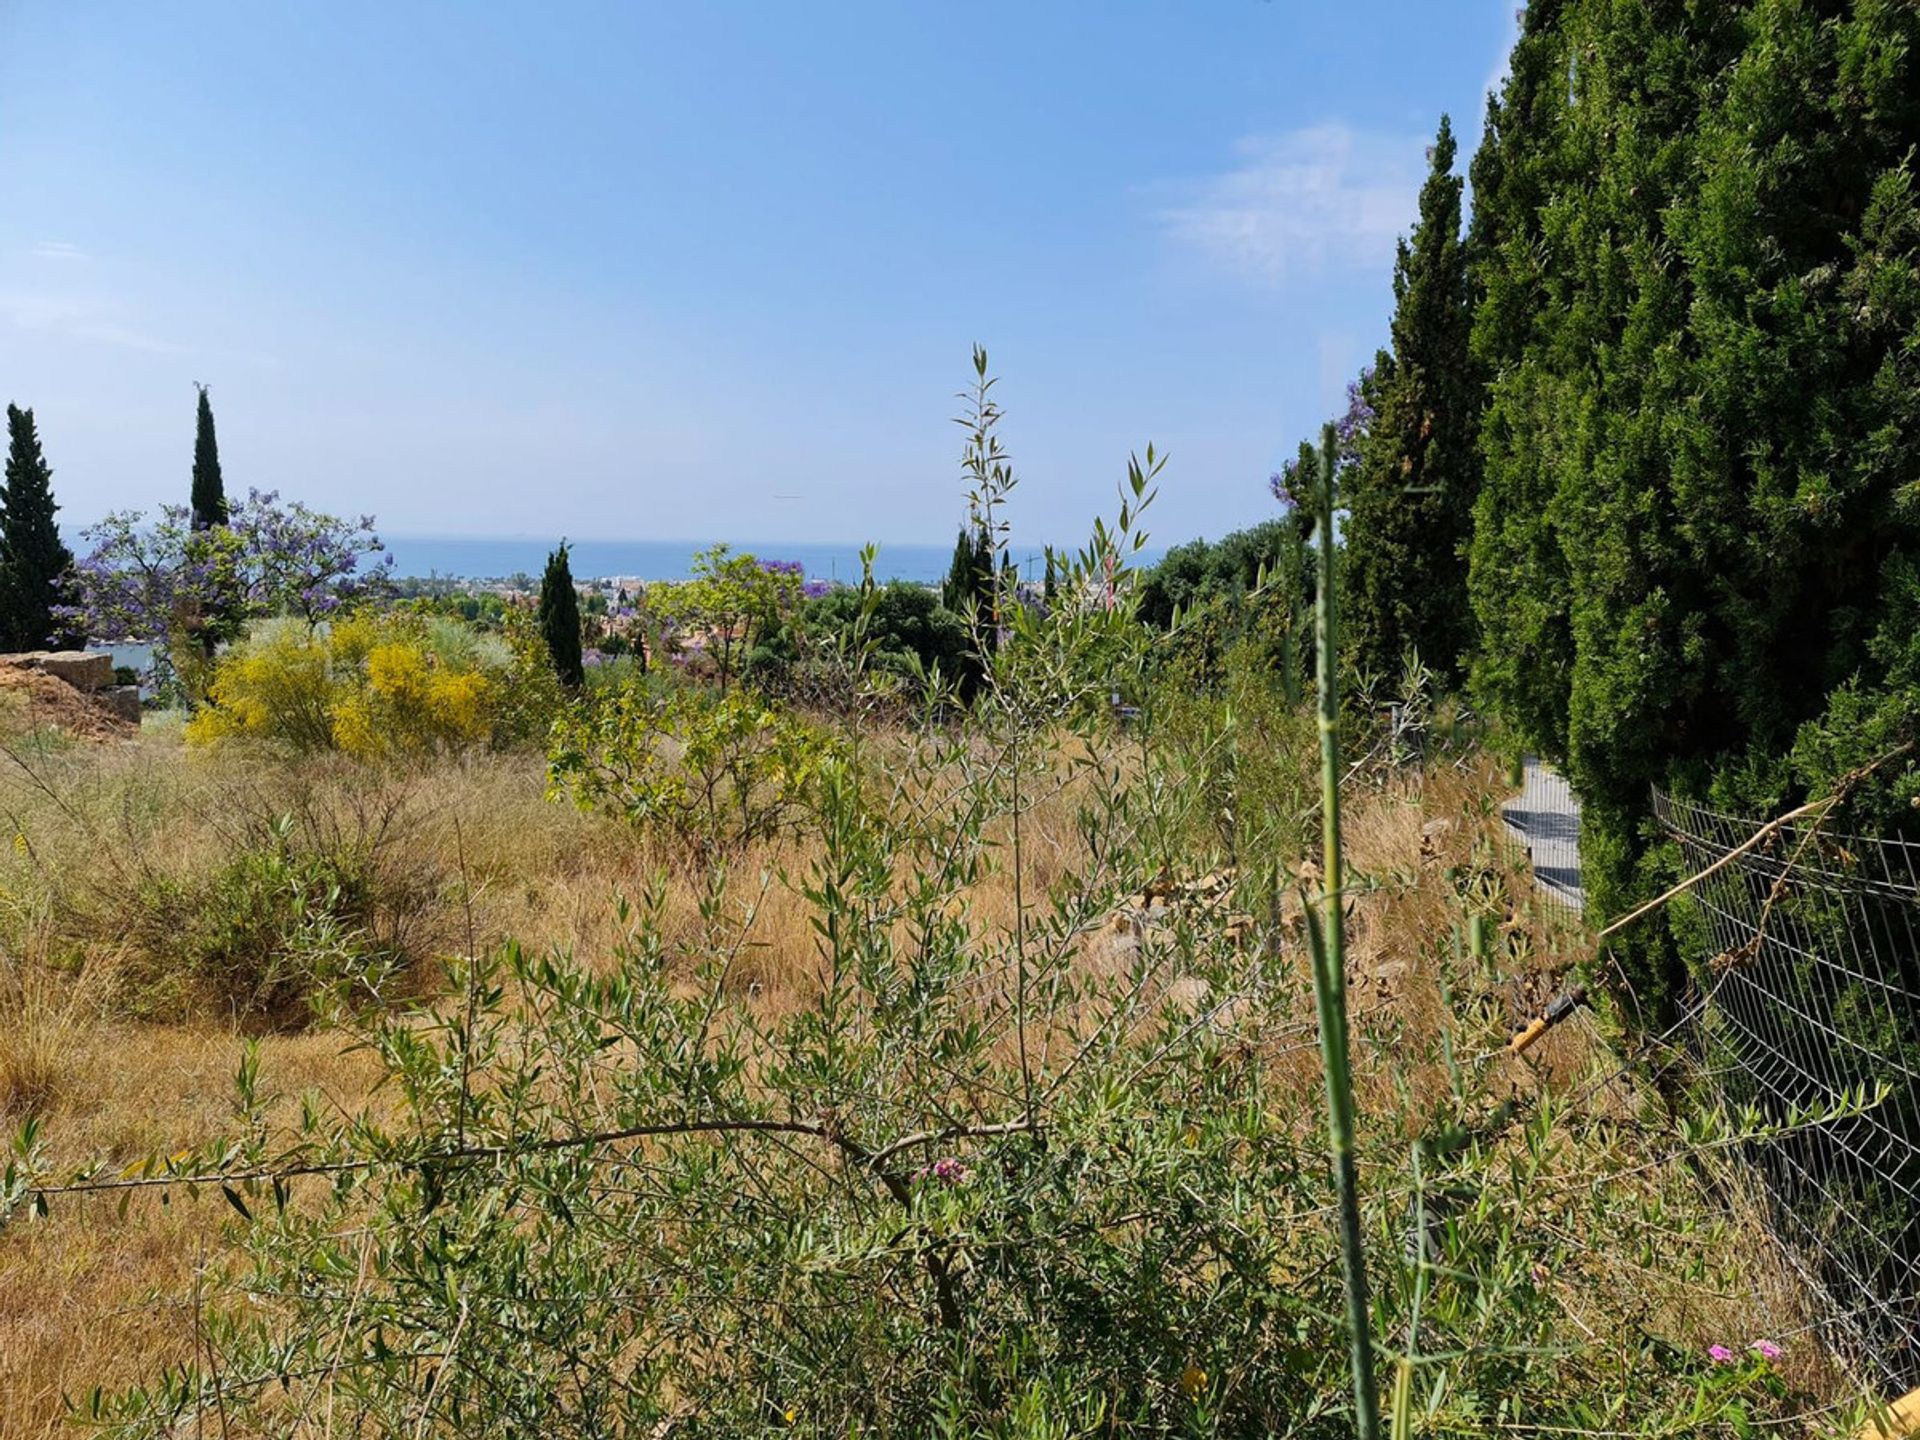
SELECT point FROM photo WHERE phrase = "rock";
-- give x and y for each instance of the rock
(122, 702)
(86, 670)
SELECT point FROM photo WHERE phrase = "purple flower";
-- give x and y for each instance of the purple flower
(783, 567)
(817, 589)
(1720, 1355)
(1765, 1349)
(947, 1170)
(144, 579)
(1293, 490)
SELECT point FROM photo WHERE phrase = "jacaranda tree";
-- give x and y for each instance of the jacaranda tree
(156, 580)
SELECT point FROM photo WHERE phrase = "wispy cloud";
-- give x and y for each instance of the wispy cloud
(1514, 13)
(1327, 197)
(58, 250)
(80, 320)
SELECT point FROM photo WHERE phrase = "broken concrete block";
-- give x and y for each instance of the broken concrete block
(87, 670)
(122, 702)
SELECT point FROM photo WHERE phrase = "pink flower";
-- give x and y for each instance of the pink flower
(947, 1169)
(1765, 1349)
(1720, 1355)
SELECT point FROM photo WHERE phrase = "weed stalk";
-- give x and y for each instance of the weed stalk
(1329, 967)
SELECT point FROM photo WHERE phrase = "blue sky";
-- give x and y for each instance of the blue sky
(646, 270)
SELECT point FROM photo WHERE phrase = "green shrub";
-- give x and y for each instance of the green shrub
(714, 769)
(833, 650)
(272, 935)
(1201, 572)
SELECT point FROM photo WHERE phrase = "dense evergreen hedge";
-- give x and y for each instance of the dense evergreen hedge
(1695, 264)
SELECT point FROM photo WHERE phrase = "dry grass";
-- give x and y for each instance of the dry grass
(483, 853)
(87, 1295)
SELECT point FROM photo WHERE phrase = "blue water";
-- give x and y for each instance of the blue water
(497, 558)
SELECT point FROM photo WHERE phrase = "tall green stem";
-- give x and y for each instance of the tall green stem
(1330, 973)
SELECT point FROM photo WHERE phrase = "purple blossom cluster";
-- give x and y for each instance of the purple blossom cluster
(817, 589)
(1289, 487)
(784, 567)
(298, 561)
(144, 579)
(947, 1170)
(1765, 1349)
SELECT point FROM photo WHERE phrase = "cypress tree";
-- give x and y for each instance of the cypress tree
(1410, 496)
(969, 588)
(1695, 243)
(1517, 575)
(971, 575)
(209, 491)
(34, 562)
(559, 616)
(958, 586)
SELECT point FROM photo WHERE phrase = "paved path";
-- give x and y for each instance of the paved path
(1545, 817)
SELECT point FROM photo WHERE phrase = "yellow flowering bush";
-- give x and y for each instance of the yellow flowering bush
(373, 685)
(278, 684)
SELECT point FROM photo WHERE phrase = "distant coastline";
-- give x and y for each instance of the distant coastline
(499, 558)
(496, 558)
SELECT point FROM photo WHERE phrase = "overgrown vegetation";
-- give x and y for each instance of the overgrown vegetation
(910, 1024)
(896, 1061)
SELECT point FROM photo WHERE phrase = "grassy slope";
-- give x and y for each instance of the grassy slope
(99, 1039)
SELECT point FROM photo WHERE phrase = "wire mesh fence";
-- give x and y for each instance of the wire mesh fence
(1805, 955)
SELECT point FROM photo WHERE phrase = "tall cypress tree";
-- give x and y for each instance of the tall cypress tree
(1518, 574)
(971, 575)
(34, 561)
(560, 619)
(209, 490)
(1410, 497)
(1696, 231)
(959, 582)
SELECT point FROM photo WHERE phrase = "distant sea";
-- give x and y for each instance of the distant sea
(468, 558)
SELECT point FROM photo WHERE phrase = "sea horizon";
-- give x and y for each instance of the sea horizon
(500, 557)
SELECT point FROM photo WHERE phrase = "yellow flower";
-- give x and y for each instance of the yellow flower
(1193, 1380)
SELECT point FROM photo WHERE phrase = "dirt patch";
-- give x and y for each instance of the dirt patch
(32, 700)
